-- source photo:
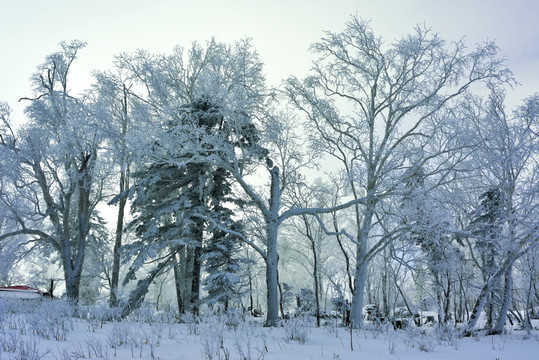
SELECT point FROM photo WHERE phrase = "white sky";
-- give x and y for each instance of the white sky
(282, 31)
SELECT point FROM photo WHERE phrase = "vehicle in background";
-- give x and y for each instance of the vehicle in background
(23, 292)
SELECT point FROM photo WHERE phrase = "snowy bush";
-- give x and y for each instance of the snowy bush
(447, 334)
(152, 337)
(414, 338)
(332, 327)
(391, 335)
(212, 328)
(50, 328)
(9, 341)
(297, 328)
(233, 319)
(426, 343)
(52, 320)
(192, 323)
(144, 314)
(120, 333)
(98, 314)
(248, 338)
(96, 348)
(19, 347)
(168, 315)
(28, 350)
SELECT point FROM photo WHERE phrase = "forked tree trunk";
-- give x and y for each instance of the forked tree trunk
(486, 290)
(362, 263)
(507, 292)
(136, 297)
(124, 185)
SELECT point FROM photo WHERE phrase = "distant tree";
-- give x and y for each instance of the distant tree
(502, 225)
(487, 225)
(122, 114)
(427, 225)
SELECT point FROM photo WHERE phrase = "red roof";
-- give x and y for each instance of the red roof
(18, 287)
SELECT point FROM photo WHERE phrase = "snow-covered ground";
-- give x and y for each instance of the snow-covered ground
(50, 330)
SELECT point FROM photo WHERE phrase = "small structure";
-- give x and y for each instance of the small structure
(428, 317)
(22, 292)
(370, 312)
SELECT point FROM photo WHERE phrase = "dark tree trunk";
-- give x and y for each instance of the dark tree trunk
(178, 286)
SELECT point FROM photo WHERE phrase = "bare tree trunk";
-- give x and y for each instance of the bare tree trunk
(356, 311)
(178, 286)
(316, 287)
(272, 227)
(527, 322)
(187, 275)
(136, 297)
(72, 281)
(271, 277)
(74, 260)
(385, 286)
(251, 300)
(281, 296)
(124, 185)
(195, 284)
(502, 316)
(362, 263)
(485, 291)
(115, 276)
(316, 278)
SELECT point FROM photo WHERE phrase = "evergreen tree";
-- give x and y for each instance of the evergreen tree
(427, 226)
(486, 226)
(185, 209)
(220, 253)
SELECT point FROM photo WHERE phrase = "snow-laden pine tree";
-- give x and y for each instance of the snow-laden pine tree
(221, 252)
(180, 211)
(487, 227)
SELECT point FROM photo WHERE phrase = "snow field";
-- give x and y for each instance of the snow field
(55, 330)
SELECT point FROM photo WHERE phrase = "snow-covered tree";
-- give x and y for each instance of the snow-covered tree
(56, 158)
(202, 106)
(372, 106)
(221, 256)
(121, 114)
(503, 225)
(427, 225)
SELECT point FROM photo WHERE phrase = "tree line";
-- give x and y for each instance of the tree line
(392, 172)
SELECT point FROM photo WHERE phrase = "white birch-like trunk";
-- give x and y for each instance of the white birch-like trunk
(272, 228)
(502, 316)
(356, 311)
(486, 290)
(271, 276)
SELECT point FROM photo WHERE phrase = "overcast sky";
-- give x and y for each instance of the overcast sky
(282, 31)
